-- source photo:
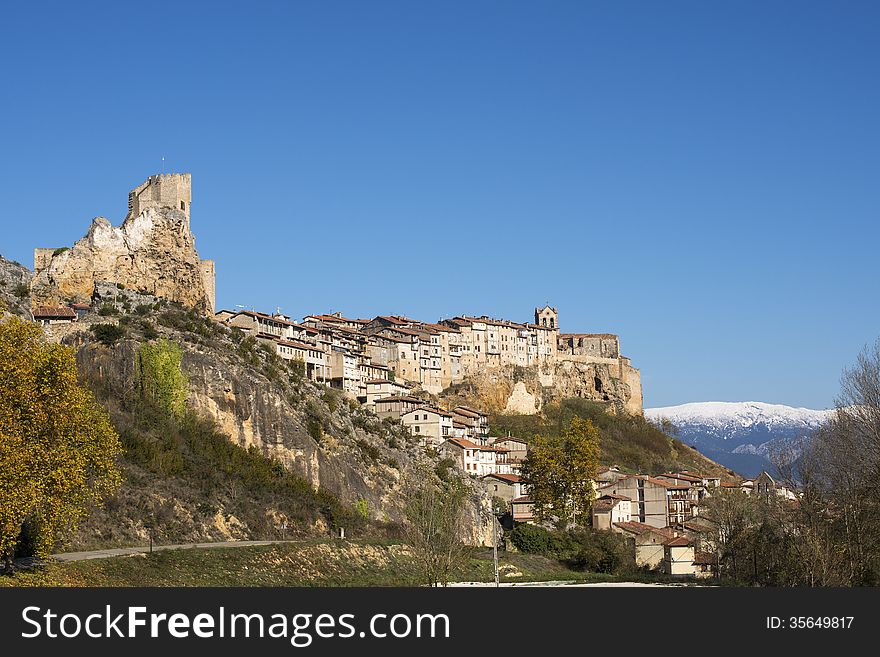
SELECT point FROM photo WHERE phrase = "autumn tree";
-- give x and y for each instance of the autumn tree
(560, 472)
(58, 449)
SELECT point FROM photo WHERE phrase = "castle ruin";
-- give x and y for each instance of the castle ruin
(152, 251)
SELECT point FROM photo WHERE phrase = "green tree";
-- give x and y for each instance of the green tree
(560, 472)
(160, 375)
(58, 449)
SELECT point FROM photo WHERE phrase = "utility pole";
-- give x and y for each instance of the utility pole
(495, 546)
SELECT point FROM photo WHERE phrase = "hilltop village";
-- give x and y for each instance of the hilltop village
(395, 366)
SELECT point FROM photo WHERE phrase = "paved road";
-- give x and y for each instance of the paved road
(121, 552)
(561, 583)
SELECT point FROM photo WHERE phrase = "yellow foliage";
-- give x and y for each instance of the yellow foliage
(58, 449)
(560, 472)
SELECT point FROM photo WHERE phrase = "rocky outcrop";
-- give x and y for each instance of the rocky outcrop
(14, 282)
(153, 252)
(525, 390)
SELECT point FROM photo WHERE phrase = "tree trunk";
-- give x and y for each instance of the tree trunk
(8, 565)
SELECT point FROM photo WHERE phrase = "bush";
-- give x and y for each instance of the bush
(108, 334)
(370, 452)
(107, 310)
(601, 552)
(579, 549)
(21, 291)
(532, 539)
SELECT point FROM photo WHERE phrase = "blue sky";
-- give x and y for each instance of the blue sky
(701, 178)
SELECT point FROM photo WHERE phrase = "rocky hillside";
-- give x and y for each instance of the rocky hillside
(153, 252)
(14, 283)
(252, 400)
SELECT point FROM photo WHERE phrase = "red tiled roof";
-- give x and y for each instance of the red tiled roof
(678, 541)
(682, 476)
(428, 409)
(299, 345)
(252, 313)
(641, 528)
(512, 478)
(525, 499)
(54, 312)
(464, 443)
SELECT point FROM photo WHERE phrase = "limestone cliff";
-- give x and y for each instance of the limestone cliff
(525, 390)
(153, 251)
(14, 282)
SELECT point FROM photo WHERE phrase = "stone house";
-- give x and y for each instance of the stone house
(678, 557)
(432, 425)
(610, 509)
(649, 542)
(477, 459)
(522, 509)
(505, 486)
(516, 448)
(311, 355)
(650, 498)
(476, 421)
(51, 315)
(344, 371)
(396, 405)
(379, 388)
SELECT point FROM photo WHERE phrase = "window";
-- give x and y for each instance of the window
(183, 205)
(417, 429)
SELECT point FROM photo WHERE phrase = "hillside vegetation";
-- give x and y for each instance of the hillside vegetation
(628, 441)
(184, 479)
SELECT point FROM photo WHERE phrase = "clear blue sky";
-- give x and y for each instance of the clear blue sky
(701, 178)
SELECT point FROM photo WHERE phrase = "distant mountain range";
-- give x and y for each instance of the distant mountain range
(739, 435)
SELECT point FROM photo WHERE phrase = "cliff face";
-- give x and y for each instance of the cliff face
(153, 252)
(14, 282)
(526, 390)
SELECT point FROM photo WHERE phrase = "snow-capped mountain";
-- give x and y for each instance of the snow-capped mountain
(739, 435)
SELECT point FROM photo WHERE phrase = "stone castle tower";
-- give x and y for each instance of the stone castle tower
(153, 251)
(164, 190)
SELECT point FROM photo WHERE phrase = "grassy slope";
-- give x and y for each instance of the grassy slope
(630, 442)
(307, 563)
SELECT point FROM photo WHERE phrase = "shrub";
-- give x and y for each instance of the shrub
(107, 310)
(532, 539)
(601, 552)
(21, 291)
(108, 334)
(371, 452)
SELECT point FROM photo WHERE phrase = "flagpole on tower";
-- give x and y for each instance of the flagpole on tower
(163, 164)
